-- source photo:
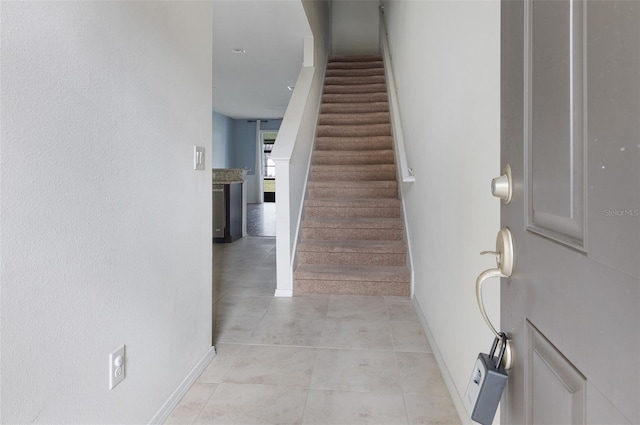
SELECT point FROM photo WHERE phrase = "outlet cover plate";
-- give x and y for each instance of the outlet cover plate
(117, 364)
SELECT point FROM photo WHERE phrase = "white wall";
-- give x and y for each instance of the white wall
(319, 15)
(446, 57)
(245, 154)
(354, 27)
(106, 227)
(222, 139)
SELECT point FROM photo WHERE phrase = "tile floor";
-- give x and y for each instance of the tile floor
(337, 360)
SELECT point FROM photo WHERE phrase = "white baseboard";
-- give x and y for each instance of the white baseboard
(182, 389)
(457, 399)
(284, 293)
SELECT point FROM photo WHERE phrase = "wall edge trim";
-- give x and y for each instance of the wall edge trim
(167, 407)
(448, 379)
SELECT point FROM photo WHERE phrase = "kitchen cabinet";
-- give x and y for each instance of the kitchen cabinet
(227, 212)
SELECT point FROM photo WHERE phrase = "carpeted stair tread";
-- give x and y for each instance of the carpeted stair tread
(355, 203)
(350, 208)
(356, 65)
(354, 97)
(344, 157)
(353, 172)
(353, 143)
(341, 189)
(377, 184)
(354, 273)
(339, 229)
(355, 80)
(352, 193)
(341, 287)
(354, 119)
(362, 72)
(356, 88)
(350, 252)
(361, 168)
(354, 58)
(359, 223)
(313, 245)
(353, 108)
(354, 130)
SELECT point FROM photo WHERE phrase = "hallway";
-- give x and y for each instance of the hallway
(312, 359)
(261, 219)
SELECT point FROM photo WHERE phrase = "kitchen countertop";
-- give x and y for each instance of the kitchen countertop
(228, 175)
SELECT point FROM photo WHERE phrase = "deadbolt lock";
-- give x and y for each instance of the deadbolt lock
(502, 187)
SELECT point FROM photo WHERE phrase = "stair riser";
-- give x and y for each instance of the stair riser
(350, 145)
(370, 79)
(354, 130)
(352, 212)
(354, 98)
(341, 287)
(353, 160)
(354, 119)
(353, 108)
(349, 193)
(371, 234)
(355, 88)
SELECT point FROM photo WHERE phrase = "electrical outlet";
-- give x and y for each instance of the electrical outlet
(116, 367)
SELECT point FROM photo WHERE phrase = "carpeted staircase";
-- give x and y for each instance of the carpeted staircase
(352, 235)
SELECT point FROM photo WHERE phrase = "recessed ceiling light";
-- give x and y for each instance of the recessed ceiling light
(291, 88)
(238, 51)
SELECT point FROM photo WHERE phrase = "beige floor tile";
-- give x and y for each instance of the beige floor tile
(233, 329)
(246, 274)
(256, 291)
(401, 311)
(420, 374)
(347, 307)
(242, 288)
(261, 364)
(356, 334)
(300, 307)
(356, 370)
(245, 306)
(409, 336)
(353, 408)
(254, 405)
(191, 404)
(288, 331)
(270, 350)
(425, 410)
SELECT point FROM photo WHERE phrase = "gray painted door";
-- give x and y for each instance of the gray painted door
(571, 133)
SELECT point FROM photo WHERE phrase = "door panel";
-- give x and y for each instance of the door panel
(571, 134)
(555, 387)
(554, 113)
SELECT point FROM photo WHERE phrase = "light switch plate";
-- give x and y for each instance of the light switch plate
(198, 158)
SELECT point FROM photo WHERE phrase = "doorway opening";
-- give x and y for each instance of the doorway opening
(268, 139)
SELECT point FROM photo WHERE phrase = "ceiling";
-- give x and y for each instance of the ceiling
(253, 84)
